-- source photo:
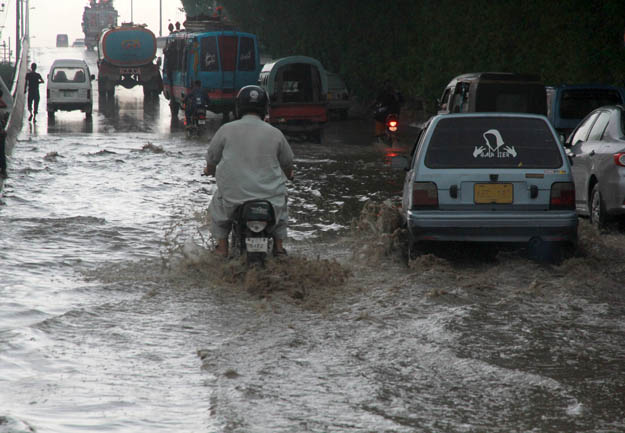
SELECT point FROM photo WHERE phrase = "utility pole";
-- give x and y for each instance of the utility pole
(131, 11)
(17, 28)
(160, 17)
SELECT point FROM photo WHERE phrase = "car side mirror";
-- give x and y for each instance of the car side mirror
(92, 76)
(400, 162)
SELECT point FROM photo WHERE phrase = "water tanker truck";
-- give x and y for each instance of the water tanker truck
(96, 17)
(126, 57)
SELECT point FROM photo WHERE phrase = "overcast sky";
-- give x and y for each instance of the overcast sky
(50, 17)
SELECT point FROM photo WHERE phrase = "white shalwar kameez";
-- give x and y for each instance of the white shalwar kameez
(251, 157)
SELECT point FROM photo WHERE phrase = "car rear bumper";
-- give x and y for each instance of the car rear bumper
(614, 194)
(69, 106)
(552, 226)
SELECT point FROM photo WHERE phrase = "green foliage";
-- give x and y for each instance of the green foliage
(422, 44)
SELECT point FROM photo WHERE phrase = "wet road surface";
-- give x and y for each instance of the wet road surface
(114, 317)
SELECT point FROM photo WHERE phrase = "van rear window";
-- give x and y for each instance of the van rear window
(492, 142)
(577, 103)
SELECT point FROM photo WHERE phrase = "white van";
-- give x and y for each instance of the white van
(69, 87)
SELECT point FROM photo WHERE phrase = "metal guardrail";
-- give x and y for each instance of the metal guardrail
(14, 123)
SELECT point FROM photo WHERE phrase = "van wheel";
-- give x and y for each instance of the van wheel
(598, 216)
(51, 115)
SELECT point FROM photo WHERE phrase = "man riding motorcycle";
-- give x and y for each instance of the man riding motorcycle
(388, 101)
(197, 97)
(250, 160)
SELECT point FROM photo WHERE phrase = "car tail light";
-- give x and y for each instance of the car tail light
(619, 159)
(424, 195)
(562, 196)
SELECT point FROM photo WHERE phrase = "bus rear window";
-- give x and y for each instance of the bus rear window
(493, 142)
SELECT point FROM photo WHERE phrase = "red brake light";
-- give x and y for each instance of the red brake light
(619, 159)
(424, 195)
(562, 196)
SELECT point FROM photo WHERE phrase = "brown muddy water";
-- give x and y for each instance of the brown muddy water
(114, 316)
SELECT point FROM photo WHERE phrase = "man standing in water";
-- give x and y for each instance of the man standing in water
(250, 160)
(33, 79)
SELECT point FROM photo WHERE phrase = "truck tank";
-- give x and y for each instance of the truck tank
(126, 56)
(95, 18)
(128, 45)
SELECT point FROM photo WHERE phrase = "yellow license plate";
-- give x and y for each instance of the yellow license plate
(487, 193)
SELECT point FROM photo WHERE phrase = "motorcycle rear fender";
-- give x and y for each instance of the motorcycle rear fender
(255, 210)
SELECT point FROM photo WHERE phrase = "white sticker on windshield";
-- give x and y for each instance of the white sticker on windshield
(496, 150)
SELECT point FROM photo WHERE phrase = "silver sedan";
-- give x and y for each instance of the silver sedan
(597, 150)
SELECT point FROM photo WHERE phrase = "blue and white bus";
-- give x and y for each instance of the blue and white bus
(223, 61)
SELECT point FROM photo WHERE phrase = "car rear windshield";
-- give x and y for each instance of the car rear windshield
(492, 142)
(577, 103)
(511, 97)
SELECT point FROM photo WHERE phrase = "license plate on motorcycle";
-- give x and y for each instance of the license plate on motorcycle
(257, 245)
(201, 122)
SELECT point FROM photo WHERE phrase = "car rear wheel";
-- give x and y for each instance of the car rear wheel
(598, 216)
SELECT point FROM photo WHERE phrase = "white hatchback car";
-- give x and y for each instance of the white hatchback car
(69, 87)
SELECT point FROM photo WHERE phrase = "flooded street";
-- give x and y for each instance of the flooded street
(113, 316)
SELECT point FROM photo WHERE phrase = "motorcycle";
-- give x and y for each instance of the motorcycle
(195, 125)
(250, 230)
(390, 134)
(391, 130)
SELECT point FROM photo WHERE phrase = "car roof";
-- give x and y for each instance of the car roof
(490, 114)
(585, 86)
(69, 62)
(496, 76)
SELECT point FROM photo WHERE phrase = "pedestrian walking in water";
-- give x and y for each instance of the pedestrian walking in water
(33, 79)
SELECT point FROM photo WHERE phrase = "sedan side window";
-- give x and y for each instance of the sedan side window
(599, 127)
(582, 132)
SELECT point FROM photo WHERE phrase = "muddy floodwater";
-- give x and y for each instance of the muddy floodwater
(115, 316)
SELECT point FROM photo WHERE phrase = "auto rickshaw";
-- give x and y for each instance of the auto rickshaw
(297, 87)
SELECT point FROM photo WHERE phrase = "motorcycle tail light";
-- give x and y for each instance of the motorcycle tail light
(424, 195)
(562, 196)
(619, 159)
(256, 226)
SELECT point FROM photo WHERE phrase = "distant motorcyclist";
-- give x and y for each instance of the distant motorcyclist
(388, 101)
(250, 160)
(196, 98)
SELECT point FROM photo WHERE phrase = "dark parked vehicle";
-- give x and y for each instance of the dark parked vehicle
(494, 92)
(567, 105)
(62, 40)
(338, 96)
(489, 177)
(597, 148)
